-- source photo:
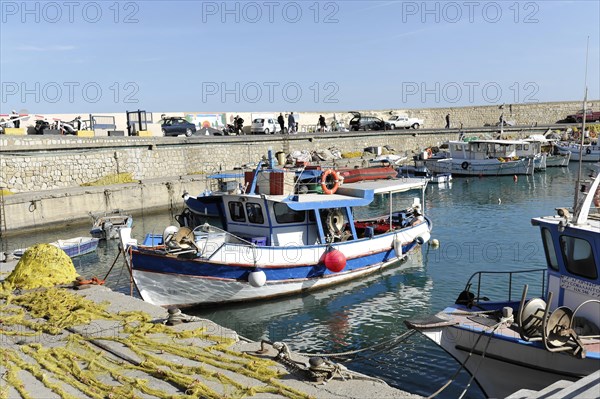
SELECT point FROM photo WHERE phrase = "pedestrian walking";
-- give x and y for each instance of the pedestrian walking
(447, 121)
(291, 123)
(281, 122)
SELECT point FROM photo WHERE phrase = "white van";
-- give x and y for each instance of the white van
(264, 124)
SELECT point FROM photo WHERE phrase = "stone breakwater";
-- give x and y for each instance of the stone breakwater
(34, 165)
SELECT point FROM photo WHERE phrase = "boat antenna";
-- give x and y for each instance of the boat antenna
(582, 138)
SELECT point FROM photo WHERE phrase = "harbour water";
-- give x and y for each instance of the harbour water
(481, 223)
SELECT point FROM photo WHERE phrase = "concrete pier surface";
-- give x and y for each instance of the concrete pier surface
(95, 343)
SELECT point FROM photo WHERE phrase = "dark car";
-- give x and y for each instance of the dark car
(175, 126)
(364, 122)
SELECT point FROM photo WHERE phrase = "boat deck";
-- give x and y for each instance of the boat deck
(488, 322)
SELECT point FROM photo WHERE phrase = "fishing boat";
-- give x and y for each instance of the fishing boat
(553, 156)
(548, 333)
(587, 152)
(73, 247)
(482, 158)
(273, 241)
(106, 226)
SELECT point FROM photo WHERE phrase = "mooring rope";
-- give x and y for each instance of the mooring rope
(392, 343)
(463, 364)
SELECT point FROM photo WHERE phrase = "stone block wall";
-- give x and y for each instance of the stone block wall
(36, 170)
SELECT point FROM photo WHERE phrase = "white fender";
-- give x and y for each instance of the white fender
(423, 238)
(257, 278)
(398, 247)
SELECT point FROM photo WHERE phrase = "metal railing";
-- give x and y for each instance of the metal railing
(478, 278)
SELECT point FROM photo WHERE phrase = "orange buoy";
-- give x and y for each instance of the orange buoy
(334, 260)
(330, 181)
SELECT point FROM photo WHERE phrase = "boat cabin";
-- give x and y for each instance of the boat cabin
(486, 149)
(572, 250)
(312, 219)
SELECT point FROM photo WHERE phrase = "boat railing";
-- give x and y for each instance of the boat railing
(207, 247)
(524, 276)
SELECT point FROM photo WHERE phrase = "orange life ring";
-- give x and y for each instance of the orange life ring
(429, 152)
(330, 181)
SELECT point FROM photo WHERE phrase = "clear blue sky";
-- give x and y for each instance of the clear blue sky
(107, 56)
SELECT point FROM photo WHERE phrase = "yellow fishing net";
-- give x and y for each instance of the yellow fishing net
(162, 362)
(119, 178)
(42, 265)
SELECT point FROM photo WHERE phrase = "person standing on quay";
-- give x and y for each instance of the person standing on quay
(447, 121)
(14, 117)
(281, 122)
(322, 123)
(291, 123)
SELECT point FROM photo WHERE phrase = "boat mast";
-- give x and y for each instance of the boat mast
(581, 141)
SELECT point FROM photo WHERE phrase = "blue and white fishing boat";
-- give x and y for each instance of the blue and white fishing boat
(509, 343)
(273, 241)
(73, 247)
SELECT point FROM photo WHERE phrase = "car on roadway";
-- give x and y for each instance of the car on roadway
(174, 126)
(404, 122)
(367, 122)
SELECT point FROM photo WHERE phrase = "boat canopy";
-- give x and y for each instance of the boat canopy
(352, 194)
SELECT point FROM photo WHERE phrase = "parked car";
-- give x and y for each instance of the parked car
(265, 125)
(363, 122)
(174, 126)
(590, 116)
(403, 121)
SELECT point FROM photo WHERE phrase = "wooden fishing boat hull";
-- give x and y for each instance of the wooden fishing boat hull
(223, 277)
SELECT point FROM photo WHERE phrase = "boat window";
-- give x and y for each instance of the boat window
(549, 249)
(236, 210)
(578, 257)
(283, 214)
(255, 214)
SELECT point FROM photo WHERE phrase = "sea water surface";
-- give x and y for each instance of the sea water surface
(481, 223)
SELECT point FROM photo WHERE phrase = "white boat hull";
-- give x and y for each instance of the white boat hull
(484, 167)
(560, 160)
(530, 366)
(182, 290)
(207, 280)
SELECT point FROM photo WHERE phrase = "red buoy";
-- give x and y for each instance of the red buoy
(334, 260)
